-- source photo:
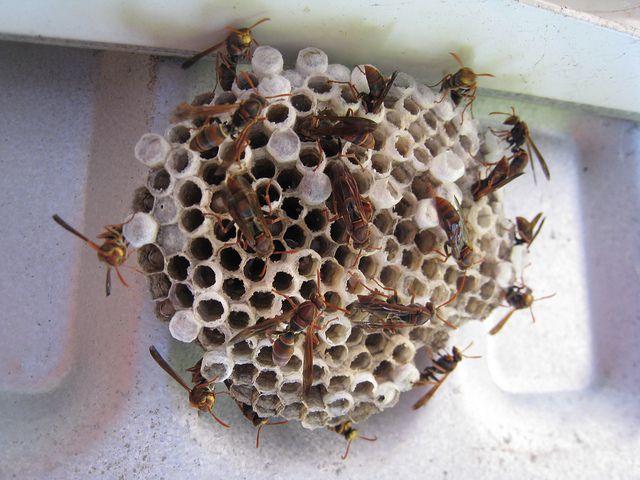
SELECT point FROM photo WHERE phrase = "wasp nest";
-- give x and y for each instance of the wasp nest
(210, 288)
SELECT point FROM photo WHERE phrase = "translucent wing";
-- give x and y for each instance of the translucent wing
(167, 368)
(427, 396)
(264, 326)
(307, 368)
(501, 323)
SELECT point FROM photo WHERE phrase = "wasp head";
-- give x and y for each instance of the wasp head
(466, 77)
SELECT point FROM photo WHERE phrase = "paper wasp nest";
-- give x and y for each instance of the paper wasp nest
(210, 289)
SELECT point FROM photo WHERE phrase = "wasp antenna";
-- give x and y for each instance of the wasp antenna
(258, 23)
(368, 439)
(485, 75)
(545, 297)
(467, 347)
(457, 59)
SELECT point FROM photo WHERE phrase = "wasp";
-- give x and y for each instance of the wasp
(201, 396)
(113, 250)
(357, 130)
(437, 373)
(518, 136)
(241, 201)
(348, 204)
(350, 434)
(378, 88)
(383, 306)
(252, 416)
(452, 222)
(301, 317)
(518, 297)
(525, 229)
(246, 114)
(502, 173)
(237, 46)
(460, 85)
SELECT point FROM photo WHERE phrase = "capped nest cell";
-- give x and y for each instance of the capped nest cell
(211, 284)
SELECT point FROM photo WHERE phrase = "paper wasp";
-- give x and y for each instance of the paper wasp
(201, 396)
(301, 317)
(113, 250)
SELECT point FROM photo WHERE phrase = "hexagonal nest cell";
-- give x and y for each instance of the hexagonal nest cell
(206, 273)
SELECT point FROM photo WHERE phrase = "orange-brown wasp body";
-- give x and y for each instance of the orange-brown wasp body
(518, 136)
(299, 318)
(349, 205)
(378, 88)
(237, 47)
(525, 229)
(357, 130)
(350, 434)
(457, 243)
(518, 297)
(209, 136)
(502, 173)
(383, 306)
(437, 373)
(201, 396)
(241, 202)
(113, 250)
(462, 84)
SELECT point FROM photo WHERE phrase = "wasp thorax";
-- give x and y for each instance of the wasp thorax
(202, 398)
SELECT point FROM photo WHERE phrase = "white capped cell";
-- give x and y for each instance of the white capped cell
(426, 215)
(141, 229)
(423, 96)
(170, 239)
(295, 78)
(338, 72)
(404, 376)
(312, 61)
(274, 85)
(450, 192)
(284, 146)
(359, 79)
(384, 194)
(216, 365)
(314, 188)
(165, 210)
(266, 61)
(447, 167)
(151, 150)
(184, 326)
